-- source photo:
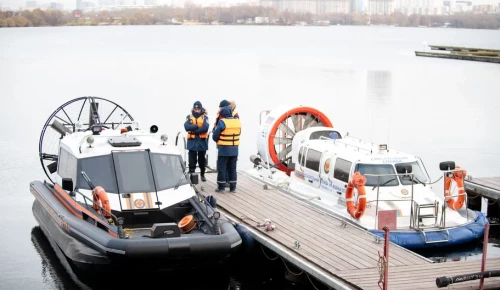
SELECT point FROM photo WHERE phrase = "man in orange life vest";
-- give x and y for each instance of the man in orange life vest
(223, 103)
(227, 136)
(232, 105)
(197, 127)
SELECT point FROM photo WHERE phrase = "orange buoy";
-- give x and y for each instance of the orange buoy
(458, 176)
(356, 210)
(187, 224)
(101, 200)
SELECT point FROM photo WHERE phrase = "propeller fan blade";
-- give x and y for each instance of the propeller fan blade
(279, 140)
(308, 121)
(283, 153)
(296, 122)
(283, 127)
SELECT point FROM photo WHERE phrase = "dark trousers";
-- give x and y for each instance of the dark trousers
(197, 157)
(226, 165)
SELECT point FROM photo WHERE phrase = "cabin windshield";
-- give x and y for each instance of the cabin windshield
(133, 171)
(378, 169)
(417, 171)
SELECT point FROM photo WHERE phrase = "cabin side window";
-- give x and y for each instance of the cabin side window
(312, 160)
(328, 134)
(342, 169)
(67, 165)
(301, 155)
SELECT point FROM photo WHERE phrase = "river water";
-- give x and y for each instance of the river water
(367, 80)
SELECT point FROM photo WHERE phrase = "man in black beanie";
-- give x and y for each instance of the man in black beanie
(196, 126)
(222, 104)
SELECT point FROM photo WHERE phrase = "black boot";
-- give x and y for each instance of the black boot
(202, 173)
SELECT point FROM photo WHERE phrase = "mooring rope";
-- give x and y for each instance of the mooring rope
(271, 259)
(382, 267)
(295, 274)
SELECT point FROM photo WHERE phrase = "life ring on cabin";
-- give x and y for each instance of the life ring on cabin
(356, 210)
(187, 224)
(101, 200)
(459, 177)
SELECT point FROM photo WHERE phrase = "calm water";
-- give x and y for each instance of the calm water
(366, 79)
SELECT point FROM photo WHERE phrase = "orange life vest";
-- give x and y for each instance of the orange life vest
(200, 121)
(231, 135)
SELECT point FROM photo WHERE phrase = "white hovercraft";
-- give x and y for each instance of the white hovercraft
(361, 182)
(119, 198)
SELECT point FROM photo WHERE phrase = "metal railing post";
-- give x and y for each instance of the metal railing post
(485, 250)
(386, 255)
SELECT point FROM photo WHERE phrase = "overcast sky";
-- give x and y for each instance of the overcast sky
(14, 4)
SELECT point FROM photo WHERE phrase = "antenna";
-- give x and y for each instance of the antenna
(388, 132)
(371, 130)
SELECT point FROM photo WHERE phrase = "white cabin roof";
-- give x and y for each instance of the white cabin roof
(76, 143)
(356, 150)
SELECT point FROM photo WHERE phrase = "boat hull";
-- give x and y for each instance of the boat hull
(415, 240)
(89, 247)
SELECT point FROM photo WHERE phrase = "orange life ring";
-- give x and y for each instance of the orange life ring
(356, 210)
(101, 200)
(458, 176)
(187, 224)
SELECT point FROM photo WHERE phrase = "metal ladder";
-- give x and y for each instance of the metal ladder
(418, 216)
(447, 237)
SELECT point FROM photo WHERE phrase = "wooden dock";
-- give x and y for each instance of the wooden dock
(459, 48)
(489, 189)
(463, 53)
(493, 59)
(342, 257)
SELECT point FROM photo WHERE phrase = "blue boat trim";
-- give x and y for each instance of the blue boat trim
(458, 235)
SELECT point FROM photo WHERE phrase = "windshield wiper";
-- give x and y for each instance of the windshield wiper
(417, 181)
(388, 181)
(87, 179)
(184, 175)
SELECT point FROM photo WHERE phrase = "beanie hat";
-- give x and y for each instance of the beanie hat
(198, 105)
(224, 103)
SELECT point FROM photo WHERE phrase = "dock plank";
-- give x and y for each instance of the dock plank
(348, 254)
(314, 221)
(423, 277)
(324, 243)
(318, 246)
(487, 186)
(342, 245)
(493, 182)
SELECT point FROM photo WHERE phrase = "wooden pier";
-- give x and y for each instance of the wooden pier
(459, 48)
(340, 256)
(487, 187)
(463, 53)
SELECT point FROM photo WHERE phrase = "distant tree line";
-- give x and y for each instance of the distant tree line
(230, 15)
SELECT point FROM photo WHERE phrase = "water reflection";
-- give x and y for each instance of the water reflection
(379, 88)
(53, 271)
(378, 104)
(256, 269)
(466, 252)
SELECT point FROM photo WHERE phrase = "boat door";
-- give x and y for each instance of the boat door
(135, 180)
(311, 168)
(341, 173)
